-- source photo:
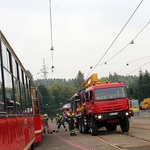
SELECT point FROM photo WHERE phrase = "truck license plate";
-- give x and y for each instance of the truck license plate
(112, 114)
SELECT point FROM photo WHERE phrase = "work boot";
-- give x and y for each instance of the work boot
(71, 134)
(74, 133)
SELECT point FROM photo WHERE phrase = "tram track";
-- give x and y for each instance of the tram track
(109, 143)
(118, 140)
(139, 139)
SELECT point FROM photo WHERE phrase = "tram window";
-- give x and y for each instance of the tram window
(15, 68)
(27, 101)
(20, 74)
(26, 82)
(8, 85)
(23, 98)
(6, 57)
(10, 106)
(18, 108)
(24, 78)
(17, 95)
(28, 93)
(2, 108)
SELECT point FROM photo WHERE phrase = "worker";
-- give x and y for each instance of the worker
(46, 125)
(60, 121)
(70, 120)
(46, 117)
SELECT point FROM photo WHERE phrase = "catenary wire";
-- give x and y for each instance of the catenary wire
(115, 39)
(126, 45)
(130, 42)
(132, 62)
(138, 68)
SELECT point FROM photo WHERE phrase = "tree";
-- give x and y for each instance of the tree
(79, 80)
(46, 98)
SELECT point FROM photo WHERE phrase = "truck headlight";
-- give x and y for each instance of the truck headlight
(99, 117)
(127, 114)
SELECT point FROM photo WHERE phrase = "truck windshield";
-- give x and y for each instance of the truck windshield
(110, 93)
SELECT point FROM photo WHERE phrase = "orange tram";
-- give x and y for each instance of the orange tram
(21, 108)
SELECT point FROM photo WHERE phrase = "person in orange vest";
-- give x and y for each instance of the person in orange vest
(70, 120)
(60, 121)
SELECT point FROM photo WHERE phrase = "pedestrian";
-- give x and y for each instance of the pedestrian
(60, 122)
(70, 120)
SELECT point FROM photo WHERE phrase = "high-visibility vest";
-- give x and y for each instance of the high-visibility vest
(70, 114)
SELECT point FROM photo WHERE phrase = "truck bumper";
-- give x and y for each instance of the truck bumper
(112, 115)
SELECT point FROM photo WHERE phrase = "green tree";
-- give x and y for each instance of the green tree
(46, 98)
(79, 80)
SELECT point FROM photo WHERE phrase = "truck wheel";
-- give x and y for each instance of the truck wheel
(93, 127)
(124, 124)
(84, 128)
(80, 125)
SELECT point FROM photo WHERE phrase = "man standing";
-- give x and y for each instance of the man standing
(70, 119)
(60, 122)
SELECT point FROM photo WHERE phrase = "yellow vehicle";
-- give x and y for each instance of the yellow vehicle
(145, 104)
(134, 106)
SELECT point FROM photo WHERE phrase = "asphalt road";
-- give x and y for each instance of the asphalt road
(137, 138)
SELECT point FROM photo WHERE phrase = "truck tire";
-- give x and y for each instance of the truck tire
(124, 124)
(84, 128)
(80, 125)
(93, 127)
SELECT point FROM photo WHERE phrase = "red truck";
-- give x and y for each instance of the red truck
(101, 104)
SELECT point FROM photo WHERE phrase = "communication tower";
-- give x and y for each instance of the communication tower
(44, 71)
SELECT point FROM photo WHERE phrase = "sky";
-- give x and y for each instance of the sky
(91, 36)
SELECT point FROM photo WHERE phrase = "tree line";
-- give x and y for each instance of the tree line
(57, 92)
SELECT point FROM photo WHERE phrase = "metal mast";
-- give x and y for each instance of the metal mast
(52, 48)
(44, 70)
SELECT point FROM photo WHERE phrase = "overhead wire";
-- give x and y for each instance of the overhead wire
(138, 68)
(115, 38)
(132, 42)
(128, 63)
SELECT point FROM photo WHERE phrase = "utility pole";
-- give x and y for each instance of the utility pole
(44, 70)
